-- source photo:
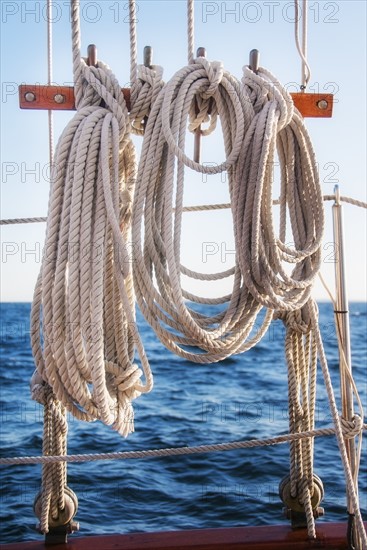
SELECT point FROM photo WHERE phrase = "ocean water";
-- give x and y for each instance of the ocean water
(242, 397)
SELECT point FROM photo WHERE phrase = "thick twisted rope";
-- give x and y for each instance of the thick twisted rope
(254, 119)
(157, 232)
(84, 292)
(301, 355)
(262, 254)
(54, 442)
(84, 333)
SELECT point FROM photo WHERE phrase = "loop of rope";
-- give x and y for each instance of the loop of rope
(254, 120)
(352, 428)
(166, 309)
(261, 252)
(83, 322)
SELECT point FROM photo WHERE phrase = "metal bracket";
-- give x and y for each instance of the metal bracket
(59, 535)
(64, 524)
(294, 509)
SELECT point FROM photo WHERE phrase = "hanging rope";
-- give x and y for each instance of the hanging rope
(157, 231)
(254, 120)
(146, 81)
(84, 333)
(262, 254)
(84, 292)
(301, 355)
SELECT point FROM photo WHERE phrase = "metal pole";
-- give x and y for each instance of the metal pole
(342, 326)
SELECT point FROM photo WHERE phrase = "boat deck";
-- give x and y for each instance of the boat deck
(329, 535)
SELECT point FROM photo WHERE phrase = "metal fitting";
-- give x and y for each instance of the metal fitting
(30, 97)
(294, 509)
(63, 525)
(322, 104)
(59, 98)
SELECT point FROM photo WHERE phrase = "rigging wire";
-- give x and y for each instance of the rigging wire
(49, 79)
(302, 49)
(193, 208)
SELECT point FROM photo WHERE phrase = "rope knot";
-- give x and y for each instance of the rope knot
(264, 87)
(298, 320)
(143, 94)
(98, 86)
(352, 428)
(214, 71)
(203, 108)
(39, 388)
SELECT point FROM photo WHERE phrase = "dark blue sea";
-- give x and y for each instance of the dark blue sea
(243, 397)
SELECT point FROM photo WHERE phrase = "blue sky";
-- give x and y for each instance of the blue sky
(228, 30)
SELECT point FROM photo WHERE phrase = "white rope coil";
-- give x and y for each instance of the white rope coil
(254, 119)
(262, 254)
(84, 344)
(156, 235)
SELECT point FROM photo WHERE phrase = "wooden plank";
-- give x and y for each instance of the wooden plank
(314, 105)
(61, 98)
(55, 98)
(278, 537)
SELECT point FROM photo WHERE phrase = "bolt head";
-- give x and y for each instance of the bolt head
(59, 98)
(29, 96)
(322, 104)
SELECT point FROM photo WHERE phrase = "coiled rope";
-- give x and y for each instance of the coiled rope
(254, 119)
(84, 333)
(85, 285)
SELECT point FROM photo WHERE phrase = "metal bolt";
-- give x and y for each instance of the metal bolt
(59, 98)
(322, 104)
(319, 512)
(74, 526)
(201, 52)
(30, 96)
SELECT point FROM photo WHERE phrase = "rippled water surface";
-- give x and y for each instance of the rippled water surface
(243, 397)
